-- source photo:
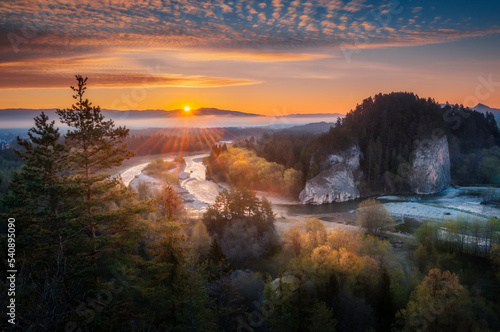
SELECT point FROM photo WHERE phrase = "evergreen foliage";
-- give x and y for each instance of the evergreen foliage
(244, 225)
(95, 146)
(387, 128)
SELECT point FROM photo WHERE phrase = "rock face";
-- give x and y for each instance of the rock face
(430, 167)
(337, 183)
(428, 172)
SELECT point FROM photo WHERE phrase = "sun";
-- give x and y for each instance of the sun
(187, 108)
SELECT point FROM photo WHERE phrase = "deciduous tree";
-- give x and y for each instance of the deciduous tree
(439, 303)
(374, 217)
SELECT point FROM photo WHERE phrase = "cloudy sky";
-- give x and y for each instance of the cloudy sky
(271, 57)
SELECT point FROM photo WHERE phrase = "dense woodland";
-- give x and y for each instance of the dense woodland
(387, 128)
(93, 255)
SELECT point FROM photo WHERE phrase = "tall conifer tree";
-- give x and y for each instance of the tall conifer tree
(40, 191)
(96, 145)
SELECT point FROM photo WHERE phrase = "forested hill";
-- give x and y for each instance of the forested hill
(387, 127)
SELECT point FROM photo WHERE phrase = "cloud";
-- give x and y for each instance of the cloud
(115, 80)
(416, 10)
(413, 38)
(71, 26)
(104, 72)
(275, 31)
(354, 6)
(209, 55)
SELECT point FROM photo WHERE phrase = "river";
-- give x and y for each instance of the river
(199, 193)
(195, 182)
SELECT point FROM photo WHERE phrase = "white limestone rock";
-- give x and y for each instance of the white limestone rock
(337, 183)
(430, 167)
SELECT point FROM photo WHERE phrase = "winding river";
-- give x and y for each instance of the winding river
(203, 190)
(199, 193)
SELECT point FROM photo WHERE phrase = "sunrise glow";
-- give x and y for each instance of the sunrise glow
(331, 65)
(187, 109)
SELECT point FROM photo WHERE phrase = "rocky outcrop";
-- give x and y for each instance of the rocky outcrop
(337, 183)
(430, 167)
(348, 157)
(428, 172)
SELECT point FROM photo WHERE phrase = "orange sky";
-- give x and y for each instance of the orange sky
(268, 57)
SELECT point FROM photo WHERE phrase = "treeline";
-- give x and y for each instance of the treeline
(463, 236)
(289, 150)
(244, 169)
(387, 129)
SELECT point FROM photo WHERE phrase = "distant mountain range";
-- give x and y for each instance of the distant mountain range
(20, 114)
(483, 109)
(310, 128)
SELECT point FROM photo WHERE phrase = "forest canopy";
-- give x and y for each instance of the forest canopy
(387, 128)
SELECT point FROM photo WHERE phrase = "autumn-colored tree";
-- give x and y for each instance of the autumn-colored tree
(169, 203)
(374, 217)
(244, 169)
(439, 303)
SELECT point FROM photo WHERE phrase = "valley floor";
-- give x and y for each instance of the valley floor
(198, 193)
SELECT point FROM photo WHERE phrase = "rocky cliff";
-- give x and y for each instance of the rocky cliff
(430, 167)
(338, 183)
(428, 173)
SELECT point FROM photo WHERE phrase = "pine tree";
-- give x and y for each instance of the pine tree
(218, 265)
(40, 191)
(322, 318)
(40, 201)
(96, 146)
(192, 304)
